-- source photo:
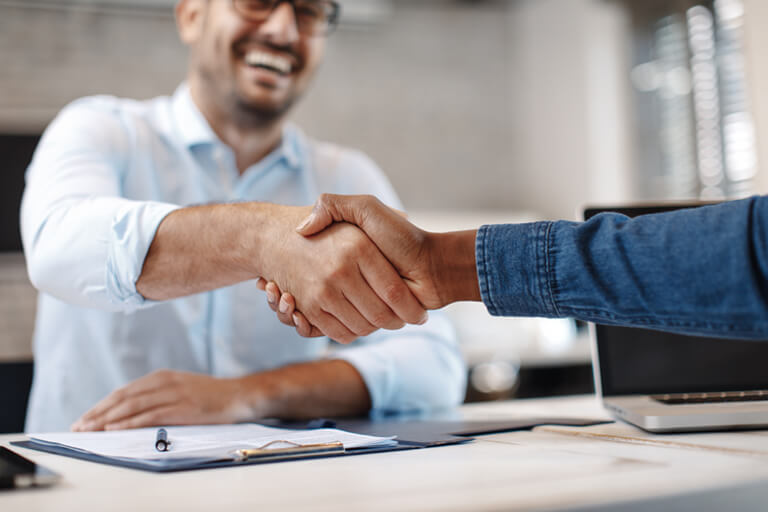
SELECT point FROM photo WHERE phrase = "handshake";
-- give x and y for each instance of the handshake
(384, 271)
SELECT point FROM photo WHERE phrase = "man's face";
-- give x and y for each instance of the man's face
(249, 68)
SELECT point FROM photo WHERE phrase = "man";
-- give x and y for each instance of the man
(148, 302)
(701, 271)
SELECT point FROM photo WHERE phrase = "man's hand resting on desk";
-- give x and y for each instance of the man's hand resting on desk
(299, 391)
(439, 268)
(168, 397)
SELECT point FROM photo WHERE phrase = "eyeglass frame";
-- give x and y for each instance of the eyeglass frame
(331, 23)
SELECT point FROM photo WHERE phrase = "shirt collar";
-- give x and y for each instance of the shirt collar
(194, 130)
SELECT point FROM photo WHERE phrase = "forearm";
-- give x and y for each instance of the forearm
(700, 271)
(305, 390)
(202, 248)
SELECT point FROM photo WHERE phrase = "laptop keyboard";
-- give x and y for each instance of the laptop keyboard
(711, 398)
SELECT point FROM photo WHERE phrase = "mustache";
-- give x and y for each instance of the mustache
(242, 43)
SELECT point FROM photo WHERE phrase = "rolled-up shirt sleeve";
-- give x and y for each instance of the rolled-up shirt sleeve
(85, 243)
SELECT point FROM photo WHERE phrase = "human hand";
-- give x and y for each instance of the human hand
(341, 281)
(167, 397)
(412, 251)
(439, 268)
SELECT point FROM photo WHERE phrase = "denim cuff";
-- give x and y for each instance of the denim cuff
(513, 269)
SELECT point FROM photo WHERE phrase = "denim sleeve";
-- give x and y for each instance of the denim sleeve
(696, 271)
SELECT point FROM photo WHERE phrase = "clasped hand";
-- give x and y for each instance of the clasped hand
(416, 256)
(342, 283)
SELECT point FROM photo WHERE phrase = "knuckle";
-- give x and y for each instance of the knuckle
(324, 199)
(163, 374)
(394, 293)
(383, 318)
(367, 331)
(326, 295)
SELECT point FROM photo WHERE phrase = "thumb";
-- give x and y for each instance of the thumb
(330, 208)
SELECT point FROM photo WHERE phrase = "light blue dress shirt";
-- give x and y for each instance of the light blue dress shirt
(105, 174)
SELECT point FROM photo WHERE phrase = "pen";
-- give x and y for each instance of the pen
(162, 443)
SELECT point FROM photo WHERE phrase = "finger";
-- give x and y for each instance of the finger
(347, 314)
(372, 307)
(391, 289)
(156, 379)
(285, 308)
(304, 328)
(261, 283)
(332, 327)
(136, 406)
(163, 415)
(116, 397)
(273, 294)
(365, 211)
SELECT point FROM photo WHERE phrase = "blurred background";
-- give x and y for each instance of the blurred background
(479, 111)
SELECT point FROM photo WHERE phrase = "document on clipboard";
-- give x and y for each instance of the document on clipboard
(201, 446)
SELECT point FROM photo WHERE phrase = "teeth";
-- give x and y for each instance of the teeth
(259, 58)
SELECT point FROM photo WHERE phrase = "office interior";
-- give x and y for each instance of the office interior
(479, 111)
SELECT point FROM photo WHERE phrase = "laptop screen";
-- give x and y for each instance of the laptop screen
(640, 361)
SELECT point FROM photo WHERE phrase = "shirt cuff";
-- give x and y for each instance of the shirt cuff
(132, 231)
(513, 269)
(417, 368)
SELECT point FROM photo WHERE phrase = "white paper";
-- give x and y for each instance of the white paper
(201, 440)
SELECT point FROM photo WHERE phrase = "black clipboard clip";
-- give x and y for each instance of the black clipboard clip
(294, 451)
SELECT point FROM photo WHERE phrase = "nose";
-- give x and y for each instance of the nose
(281, 28)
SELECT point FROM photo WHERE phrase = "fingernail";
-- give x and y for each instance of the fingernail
(295, 319)
(271, 297)
(306, 221)
(283, 306)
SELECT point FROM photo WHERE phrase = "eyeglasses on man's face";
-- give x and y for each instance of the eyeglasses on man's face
(313, 17)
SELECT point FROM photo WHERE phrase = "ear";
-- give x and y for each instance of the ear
(190, 19)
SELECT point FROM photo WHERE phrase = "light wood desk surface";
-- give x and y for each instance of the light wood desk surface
(608, 467)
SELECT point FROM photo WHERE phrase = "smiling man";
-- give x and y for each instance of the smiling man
(148, 313)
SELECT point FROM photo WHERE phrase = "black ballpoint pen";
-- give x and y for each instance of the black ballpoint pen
(162, 443)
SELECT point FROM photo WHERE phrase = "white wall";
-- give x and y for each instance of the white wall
(493, 105)
(756, 46)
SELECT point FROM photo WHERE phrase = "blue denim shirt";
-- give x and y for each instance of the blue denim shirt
(696, 271)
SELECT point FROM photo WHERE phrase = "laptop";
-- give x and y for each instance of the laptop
(664, 382)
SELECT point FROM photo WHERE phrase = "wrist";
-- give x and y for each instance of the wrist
(454, 266)
(266, 230)
(253, 398)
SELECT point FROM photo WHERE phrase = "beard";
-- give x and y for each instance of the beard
(243, 111)
(248, 113)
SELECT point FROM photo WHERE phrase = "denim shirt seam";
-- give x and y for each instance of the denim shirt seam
(481, 252)
(656, 321)
(548, 277)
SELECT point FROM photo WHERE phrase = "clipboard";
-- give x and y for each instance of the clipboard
(217, 457)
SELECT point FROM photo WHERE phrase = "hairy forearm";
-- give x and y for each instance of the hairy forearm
(305, 391)
(202, 248)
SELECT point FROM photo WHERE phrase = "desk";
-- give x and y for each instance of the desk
(544, 469)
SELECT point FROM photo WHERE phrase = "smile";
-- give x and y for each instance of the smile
(261, 59)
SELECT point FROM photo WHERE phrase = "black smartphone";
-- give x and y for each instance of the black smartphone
(16, 471)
